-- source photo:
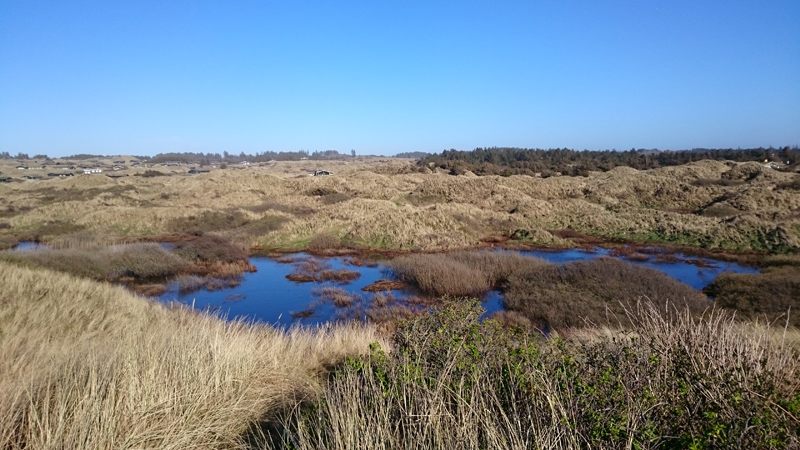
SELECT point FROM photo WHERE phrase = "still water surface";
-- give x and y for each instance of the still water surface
(267, 296)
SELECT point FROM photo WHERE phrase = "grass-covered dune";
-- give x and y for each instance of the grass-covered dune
(87, 365)
(390, 204)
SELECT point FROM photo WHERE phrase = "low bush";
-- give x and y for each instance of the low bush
(773, 295)
(324, 241)
(340, 276)
(208, 221)
(7, 242)
(151, 173)
(790, 185)
(719, 210)
(321, 191)
(211, 249)
(337, 197)
(452, 382)
(703, 182)
(145, 261)
(595, 292)
(260, 227)
(296, 210)
(51, 228)
(338, 296)
(12, 210)
(189, 283)
(317, 270)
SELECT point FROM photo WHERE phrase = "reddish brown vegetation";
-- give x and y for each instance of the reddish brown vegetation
(384, 285)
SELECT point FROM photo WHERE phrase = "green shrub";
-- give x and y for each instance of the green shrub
(451, 382)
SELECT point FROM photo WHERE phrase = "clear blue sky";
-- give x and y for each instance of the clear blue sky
(382, 77)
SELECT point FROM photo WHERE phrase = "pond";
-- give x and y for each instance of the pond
(267, 296)
(29, 246)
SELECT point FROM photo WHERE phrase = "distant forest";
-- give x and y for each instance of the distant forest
(414, 155)
(508, 161)
(225, 157)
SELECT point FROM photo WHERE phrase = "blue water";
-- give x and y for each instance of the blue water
(696, 272)
(29, 246)
(267, 296)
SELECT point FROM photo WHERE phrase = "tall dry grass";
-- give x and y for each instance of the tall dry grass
(88, 365)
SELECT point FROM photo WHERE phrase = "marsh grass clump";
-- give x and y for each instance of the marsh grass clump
(340, 276)
(333, 198)
(7, 242)
(49, 228)
(210, 248)
(705, 182)
(439, 275)
(790, 185)
(585, 293)
(672, 380)
(262, 226)
(190, 283)
(295, 210)
(208, 221)
(459, 273)
(324, 241)
(316, 270)
(382, 309)
(148, 289)
(338, 296)
(773, 295)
